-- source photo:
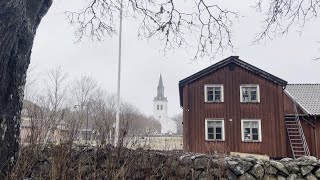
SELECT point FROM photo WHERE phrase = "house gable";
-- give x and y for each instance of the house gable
(231, 62)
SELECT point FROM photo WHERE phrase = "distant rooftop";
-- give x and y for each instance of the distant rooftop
(307, 96)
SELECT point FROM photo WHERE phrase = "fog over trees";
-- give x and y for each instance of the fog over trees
(57, 100)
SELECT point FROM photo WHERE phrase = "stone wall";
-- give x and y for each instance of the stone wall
(215, 167)
(76, 162)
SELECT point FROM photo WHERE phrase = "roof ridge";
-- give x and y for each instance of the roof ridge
(304, 84)
(220, 64)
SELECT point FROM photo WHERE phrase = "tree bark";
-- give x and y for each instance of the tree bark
(19, 20)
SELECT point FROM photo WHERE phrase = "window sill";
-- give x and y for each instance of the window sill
(250, 102)
(252, 141)
(214, 140)
(213, 102)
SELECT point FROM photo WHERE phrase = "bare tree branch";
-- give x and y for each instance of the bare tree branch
(204, 28)
(282, 15)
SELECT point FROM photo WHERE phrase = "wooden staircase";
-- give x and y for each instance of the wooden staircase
(298, 143)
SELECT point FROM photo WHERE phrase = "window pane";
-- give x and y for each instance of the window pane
(254, 124)
(247, 130)
(255, 137)
(210, 130)
(210, 123)
(217, 94)
(246, 124)
(217, 97)
(247, 135)
(210, 89)
(245, 94)
(217, 123)
(209, 93)
(210, 136)
(218, 130)
(253, 94)
(219, 136)
(254, 130)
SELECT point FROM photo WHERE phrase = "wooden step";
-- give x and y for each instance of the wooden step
(298, 151)
(298, 147)
(294, 132)
(296, 143)
(291, 122)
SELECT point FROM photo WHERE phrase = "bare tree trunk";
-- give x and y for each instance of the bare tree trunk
(19, 20)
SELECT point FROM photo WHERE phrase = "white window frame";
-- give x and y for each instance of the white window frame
(248, 86)
(259, 130)
(213, 86)
(206, 129)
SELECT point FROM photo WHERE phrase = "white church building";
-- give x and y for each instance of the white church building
(160, 110)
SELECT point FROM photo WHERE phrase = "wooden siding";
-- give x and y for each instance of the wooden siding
(270, 110)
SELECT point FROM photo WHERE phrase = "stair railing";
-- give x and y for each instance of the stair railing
(304, 141)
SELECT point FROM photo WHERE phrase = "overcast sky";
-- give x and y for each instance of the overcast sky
(290, 57)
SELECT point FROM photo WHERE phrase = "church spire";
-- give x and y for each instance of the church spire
(160, 90)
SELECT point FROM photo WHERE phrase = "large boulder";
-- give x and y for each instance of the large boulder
(279, 166)
(271, 170)
(279, 177)
(185, 160)
(270, 177)
(317, 173)
(241, 167)
(246, 176)
(257, 171)
(292, 167)
(310, 176)
(292, 177)
(217, 163)
(305, 170)
(306, 160)
(200, 163)
(230, 175)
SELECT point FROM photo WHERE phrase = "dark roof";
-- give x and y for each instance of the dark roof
(307, 96)
(224, 62)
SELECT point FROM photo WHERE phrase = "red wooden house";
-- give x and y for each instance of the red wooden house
(233, 106)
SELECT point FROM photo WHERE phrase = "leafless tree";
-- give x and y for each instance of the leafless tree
(85, 91)
(54, 99)
(171, 21)
(282, 15)
(178, 118)
(103, 116)
(45, 109)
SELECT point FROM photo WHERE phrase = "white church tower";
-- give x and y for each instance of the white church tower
(160, 110)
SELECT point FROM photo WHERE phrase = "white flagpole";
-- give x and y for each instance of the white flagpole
(117, 128)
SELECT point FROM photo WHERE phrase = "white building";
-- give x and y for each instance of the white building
(160, 110)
